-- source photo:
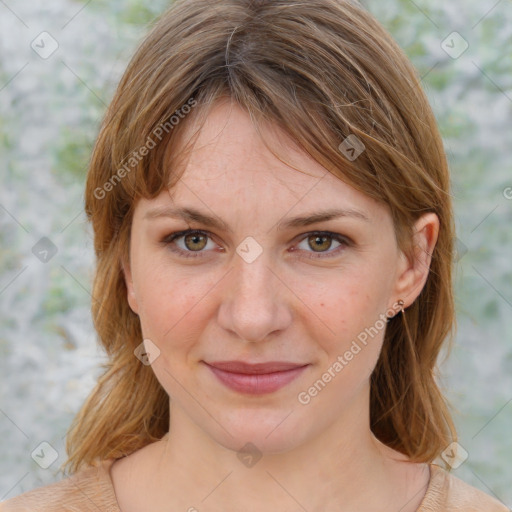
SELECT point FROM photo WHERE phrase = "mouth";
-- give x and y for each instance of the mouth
(255, 379)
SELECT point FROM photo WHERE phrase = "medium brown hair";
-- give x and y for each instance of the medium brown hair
(321, 70)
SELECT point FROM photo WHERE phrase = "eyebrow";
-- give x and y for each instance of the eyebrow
(193, 215)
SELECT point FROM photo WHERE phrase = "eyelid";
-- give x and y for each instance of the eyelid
(342, 239)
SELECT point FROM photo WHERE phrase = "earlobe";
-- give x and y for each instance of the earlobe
(414, 270)
(130, 290)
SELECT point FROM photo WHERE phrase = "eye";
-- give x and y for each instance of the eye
(193, 243)
(321, 241)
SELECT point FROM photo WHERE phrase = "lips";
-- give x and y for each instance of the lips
(256, 378)
(254, 368)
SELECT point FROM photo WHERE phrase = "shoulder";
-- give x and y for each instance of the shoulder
(88, 490)
(448, 493)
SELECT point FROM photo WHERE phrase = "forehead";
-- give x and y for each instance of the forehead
(230, 160)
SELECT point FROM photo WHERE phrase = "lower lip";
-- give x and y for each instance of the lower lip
(257, 384)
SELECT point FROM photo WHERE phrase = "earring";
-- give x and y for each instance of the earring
(400, 303)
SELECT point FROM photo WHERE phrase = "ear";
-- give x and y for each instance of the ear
(132, 298)
(413, 270)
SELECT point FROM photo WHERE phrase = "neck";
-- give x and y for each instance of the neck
(333, 467)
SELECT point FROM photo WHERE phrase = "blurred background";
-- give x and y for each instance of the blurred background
(59, 65)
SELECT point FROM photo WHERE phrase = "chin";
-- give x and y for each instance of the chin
(267, 431)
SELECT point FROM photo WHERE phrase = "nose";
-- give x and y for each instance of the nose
(255, 302)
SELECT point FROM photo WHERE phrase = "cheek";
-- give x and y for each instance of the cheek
(172, 304)
(346, 323)
(173, 315)
(344, 306)
(349, 356)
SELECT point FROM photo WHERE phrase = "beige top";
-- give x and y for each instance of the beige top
(91, 490)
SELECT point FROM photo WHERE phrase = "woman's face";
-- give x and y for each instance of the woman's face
(263, 281)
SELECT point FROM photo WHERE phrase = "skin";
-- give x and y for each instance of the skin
(296, 301)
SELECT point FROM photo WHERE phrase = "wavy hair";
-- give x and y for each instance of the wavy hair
(321, 70)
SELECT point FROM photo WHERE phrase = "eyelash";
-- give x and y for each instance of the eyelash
(170, 239)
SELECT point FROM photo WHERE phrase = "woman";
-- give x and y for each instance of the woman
(274, 233)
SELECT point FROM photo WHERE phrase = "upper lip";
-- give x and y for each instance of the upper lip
(255, 368)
